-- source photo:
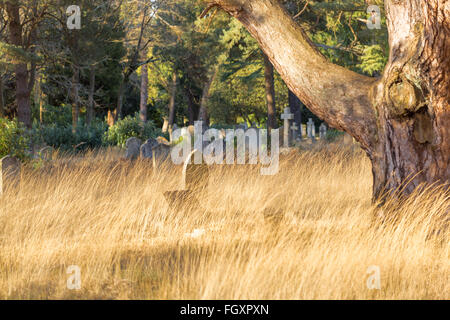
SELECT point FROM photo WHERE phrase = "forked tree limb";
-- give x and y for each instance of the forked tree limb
(337, 95)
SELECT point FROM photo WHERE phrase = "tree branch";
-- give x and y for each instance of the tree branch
(337, 95)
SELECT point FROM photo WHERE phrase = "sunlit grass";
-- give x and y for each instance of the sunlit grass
(307, 233)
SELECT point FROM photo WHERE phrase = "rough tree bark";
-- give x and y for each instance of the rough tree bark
(2, 99)
(23, 91)
(204, 113)
(144, 93)
(270, 94)
(402, 120)
(75, 96)
(172, 106)
(91, 101)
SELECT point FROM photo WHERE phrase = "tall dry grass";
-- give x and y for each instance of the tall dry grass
(306, 233)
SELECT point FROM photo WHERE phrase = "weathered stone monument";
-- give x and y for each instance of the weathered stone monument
(287, 116)
(133, 148)
(9, 173)
(311, 130)
(323, 131)
(156, 149)
(147, 148)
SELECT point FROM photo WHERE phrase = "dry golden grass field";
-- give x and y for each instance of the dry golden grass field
(306, 233)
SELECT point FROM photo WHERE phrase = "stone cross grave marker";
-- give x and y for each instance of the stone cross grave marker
(311, 130)
(9, 173)
(286, 117)
(323, 131)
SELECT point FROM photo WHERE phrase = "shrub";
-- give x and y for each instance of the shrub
(62, 137)
(129, 127)
(55, 115)
(14, 139)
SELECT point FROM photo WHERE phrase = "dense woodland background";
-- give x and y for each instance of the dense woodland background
(136, 68)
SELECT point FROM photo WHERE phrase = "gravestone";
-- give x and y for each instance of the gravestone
(323, 131)
(311, 130)
(156, 149)
(133, 148)
(147, 148)
(9, 173)
(287, 116)
(304, 131)
(162, 149)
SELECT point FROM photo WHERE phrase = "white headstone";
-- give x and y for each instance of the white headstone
(311, 129)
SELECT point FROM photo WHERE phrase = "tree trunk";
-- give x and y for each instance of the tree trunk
(91, 101)
(412, 98)
(172, 107)
(204, 113)
(144, 93)
(270, 94)
(402, 119)
(2, 98)
(120, 93)
(75, 96)
(296, 108)
(193, 107)
(21, 70)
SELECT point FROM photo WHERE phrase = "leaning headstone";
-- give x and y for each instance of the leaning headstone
(323, 131)
(287, 116)
(133, 148)
(9, 173)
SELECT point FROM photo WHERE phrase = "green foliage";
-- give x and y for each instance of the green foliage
(373, 60)
(62, 137)
(14, 139)
(60, 115)
(129, 127)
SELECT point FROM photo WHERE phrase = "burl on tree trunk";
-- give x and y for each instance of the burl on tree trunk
(402, 120)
